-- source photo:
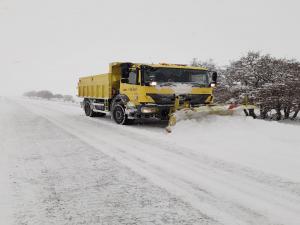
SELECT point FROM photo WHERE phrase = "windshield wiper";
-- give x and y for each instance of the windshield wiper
(195, 84)
(165, 84)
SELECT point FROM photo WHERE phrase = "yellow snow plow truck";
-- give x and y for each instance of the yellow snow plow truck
(131, 91)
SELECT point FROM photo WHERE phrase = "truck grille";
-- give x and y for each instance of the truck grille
(167, 99)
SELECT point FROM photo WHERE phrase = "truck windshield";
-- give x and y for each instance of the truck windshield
(171, 75)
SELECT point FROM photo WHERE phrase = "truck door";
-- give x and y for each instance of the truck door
(131, 84)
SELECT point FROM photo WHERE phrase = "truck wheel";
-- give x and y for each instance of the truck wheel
(119, 115)
(88, 111)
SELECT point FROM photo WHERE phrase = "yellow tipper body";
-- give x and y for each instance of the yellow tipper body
(100, 86)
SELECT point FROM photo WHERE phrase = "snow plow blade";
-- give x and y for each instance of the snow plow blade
(198, 113)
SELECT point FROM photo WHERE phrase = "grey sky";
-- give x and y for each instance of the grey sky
(48, 44)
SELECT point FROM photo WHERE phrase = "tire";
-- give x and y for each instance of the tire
(119, 115)
(88, 111)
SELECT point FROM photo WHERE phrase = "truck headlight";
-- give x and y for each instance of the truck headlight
(153, 83)
(146, 109)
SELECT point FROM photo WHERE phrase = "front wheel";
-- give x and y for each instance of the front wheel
(119, 115)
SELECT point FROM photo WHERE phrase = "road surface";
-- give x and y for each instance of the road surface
(65, 168)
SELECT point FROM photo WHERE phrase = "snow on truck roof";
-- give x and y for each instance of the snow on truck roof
(167, 65)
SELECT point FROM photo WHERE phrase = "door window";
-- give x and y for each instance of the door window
(132, 79)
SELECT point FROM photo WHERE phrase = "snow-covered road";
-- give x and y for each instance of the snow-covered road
(65, 168)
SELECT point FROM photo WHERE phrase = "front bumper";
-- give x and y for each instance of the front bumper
(149, 111)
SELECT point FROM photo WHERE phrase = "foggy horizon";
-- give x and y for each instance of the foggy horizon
(49, 45)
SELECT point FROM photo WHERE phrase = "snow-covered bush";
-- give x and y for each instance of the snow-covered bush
(272, 84)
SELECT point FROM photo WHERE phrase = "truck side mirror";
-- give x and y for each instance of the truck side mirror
(124, 80)
(214, 77)
(125, 69)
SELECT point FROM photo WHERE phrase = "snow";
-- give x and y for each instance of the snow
(246, 141)
(68, 168)
(5, 187)
(178, 88)
(5, 191)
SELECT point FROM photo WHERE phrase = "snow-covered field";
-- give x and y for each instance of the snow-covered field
(60, 167)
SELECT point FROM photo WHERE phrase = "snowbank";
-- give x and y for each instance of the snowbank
(244, 140)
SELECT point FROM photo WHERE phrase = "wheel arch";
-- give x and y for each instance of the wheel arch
(120, 98)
